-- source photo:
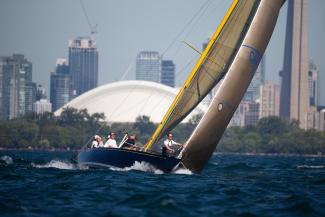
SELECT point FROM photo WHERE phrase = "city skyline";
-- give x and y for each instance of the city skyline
(120, 38)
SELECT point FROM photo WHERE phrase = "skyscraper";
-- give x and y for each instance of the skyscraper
(269, 99)
(83, 64)
(168, 73)
(61, 85)
(148, 66)
(294, 97)
(17, 91)
(313, 84)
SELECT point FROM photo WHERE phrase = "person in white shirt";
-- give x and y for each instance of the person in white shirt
(97, 142)
(100, 142)
(169, 145)
(111, 142)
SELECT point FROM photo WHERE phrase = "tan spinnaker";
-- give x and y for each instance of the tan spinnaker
(203, 141)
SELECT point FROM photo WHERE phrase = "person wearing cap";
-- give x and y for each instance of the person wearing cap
(97, 142)
(111, 142)
(169, 145)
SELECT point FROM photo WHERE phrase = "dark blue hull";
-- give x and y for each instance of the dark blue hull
(122, 158)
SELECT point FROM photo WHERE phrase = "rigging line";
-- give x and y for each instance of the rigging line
(208, 8)
(186, 26)
(191, 29)
(86, 15)
(126, 72)
(197, 21)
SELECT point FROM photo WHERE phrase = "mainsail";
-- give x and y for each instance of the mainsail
(211, 67)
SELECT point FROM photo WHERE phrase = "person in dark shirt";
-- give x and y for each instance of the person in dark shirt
(130, 142)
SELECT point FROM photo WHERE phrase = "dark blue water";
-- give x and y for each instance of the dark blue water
(47, 184)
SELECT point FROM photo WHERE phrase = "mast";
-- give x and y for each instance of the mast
(204, 139)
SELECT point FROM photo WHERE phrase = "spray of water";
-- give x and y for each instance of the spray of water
(56, 164)
(8, 160)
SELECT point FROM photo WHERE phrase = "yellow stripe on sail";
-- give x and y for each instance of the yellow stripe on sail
(191, 76)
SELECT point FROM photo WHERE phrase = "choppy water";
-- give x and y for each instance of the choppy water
(48, 184)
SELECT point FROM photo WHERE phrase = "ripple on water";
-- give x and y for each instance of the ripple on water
(311, 166)
(45, 184)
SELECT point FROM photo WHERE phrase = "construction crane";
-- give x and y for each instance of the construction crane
(92, 28)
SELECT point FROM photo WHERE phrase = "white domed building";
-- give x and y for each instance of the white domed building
(124, 101)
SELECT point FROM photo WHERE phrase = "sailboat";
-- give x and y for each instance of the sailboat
(231, 59)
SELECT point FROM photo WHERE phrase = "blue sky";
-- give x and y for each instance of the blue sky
(40, 29)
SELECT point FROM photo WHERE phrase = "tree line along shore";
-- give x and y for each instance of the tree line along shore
(73, 129)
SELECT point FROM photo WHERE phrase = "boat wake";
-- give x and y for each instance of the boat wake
(57, 164)
(143, 166)
(182, 171)
(148, 168)
(6, 159)
(137, 166)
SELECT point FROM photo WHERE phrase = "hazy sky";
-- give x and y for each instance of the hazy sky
(40, 29)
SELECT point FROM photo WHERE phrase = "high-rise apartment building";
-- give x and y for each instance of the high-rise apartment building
(83, 64)
(41, 106)
(269, 99)
(313, 84)
(148, 66)
(61, 85)
(17, 91)
(294, 97)
(252, 113)
(168, 73)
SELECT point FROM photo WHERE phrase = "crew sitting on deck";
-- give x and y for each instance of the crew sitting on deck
(130, 143)
(97, 142)
(111, 142)
(170, 145)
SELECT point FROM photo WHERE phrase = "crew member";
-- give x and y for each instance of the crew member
(169, 145)
(100, 142)
(97, 142)
(130, 142)
(111, 142)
